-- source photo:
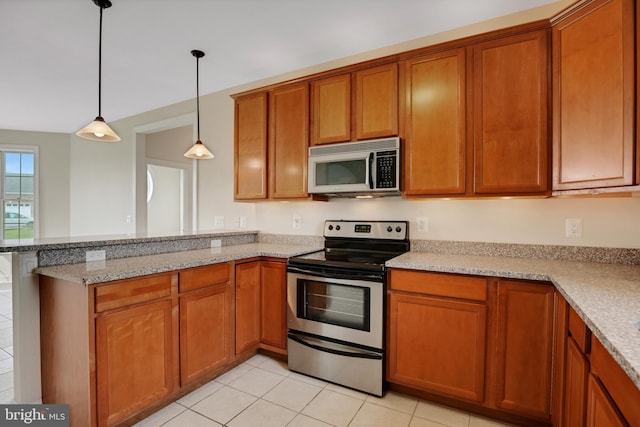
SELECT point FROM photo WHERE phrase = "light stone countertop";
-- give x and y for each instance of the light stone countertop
(606, 296)
(125, 268)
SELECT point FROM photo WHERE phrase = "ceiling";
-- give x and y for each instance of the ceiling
(49, 48)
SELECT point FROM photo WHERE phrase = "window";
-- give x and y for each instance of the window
(18, 193)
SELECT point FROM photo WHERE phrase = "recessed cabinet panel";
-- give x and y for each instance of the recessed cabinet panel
(332, 109)
(288, 141)
(377, 102)
(434, 116)
(511, 95)
(594, 84)
(247, 306)
(251, 147)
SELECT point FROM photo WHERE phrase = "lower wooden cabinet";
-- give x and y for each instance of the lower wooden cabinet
(273, 316)
(135, 360)
(602, 411)
(575, 394)
(524, 348)
(247, 306)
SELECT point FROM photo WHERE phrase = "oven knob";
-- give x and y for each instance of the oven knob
(330, 227)
(337, 228)
(398, 229)
(389, 229)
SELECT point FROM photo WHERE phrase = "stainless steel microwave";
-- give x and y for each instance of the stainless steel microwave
(356, 168)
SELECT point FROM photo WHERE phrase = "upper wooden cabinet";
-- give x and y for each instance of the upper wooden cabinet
(433, 100)
(370, 110)
(250, 154)
(594, 94)
(288, 141)
(510, 108)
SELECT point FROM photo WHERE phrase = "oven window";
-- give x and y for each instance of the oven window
(341, 172)
(335, 304)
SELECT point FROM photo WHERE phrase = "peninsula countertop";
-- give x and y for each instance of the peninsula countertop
(606, 296)
(94, 272)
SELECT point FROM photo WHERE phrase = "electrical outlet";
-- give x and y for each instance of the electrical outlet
(95, 256)
(297, 221)
(423, 224)
(573, 227)
(236, 221)
(218, 221)
(243, 222)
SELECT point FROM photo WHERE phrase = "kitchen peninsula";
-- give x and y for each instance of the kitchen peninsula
(604, 295)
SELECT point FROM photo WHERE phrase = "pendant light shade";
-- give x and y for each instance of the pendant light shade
(198, 151)
(98, 129)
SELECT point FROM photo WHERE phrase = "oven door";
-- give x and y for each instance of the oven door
(348, 310)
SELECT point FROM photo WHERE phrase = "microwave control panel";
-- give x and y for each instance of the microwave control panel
(386, 169)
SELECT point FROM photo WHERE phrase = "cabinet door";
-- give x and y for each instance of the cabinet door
(135, 360)
(274, 304)
(433, 95)
(575, 396)
(437, 345)
(594, 81)
(288, 141)
(247, 306)
(331, 109)
(524, 348)
(511, 95)
(376, 102)
(205, 331)
(601, 411)
(250, 154)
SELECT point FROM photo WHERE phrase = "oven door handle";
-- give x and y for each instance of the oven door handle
(334, 274)
(334, 348)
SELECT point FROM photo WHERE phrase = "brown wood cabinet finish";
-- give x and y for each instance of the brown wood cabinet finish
(594, 97)
(433, 99)
(331, 109)
(250, 149)
(247, 306)
(510, 124)
(575, 395)
(288, 141)
(273, 317)
(135, 360)
(446, 353)
(525, 318)
(376, 103)
(601, 410)
(205, 330)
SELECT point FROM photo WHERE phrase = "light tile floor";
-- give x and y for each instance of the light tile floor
(263, 392)
(6, 344)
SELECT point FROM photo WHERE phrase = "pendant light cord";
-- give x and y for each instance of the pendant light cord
(100, 67)
(198, 93)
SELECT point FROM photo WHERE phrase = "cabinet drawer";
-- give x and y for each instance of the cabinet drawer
(439, 284)
(201, 277)
(133, 291)
(579, 332)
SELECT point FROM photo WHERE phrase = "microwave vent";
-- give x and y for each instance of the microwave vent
(352, 147)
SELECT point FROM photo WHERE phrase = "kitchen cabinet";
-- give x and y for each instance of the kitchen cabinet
(524, 348)
(205, 303)
(576, 371)
(369, 110)
(247, 313)
(437, 331)
(602, 410)
(136, 355)
(273, 314)
(594, 92)
(250, 149)
(511, 139)
(288, 141)
(433, 96)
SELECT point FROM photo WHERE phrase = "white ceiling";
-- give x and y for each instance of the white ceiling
(49, 48)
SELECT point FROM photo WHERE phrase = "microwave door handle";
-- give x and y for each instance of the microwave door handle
(371, 171)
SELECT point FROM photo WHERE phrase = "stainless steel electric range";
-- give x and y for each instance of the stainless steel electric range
(336, 303)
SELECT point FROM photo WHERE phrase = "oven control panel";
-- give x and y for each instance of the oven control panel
(391, 230)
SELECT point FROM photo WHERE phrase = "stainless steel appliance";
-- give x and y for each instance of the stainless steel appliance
(356, 168)
(336, 301)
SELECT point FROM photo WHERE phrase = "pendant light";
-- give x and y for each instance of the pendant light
(99, 130)
(198, 150)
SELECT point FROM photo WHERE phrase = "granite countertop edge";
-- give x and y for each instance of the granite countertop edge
(605, 296)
